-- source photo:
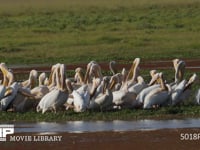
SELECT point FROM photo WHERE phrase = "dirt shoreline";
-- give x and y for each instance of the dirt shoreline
(191, 64)
(140, 140)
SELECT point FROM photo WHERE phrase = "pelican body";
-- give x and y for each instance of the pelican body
(8, 99)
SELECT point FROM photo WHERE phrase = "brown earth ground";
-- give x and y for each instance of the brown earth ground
(191, 64)
(166, 139)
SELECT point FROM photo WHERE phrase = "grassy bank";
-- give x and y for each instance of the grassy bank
(80, 31)
(125, 114)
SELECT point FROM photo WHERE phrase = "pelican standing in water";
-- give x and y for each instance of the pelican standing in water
(58, 96)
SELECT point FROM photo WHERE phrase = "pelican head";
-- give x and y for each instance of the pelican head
(191, 81)
(7, 74)
(153, 72)
(69, 85)
(42, 78)
(79, 75)
(112, 66)
(88, 70)
(133, 72)
(33, 78)
(179, 67)
(115, 79)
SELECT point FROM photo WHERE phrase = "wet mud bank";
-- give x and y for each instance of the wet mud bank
(164, 139)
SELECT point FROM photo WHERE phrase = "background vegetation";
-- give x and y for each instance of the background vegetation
(49, 31)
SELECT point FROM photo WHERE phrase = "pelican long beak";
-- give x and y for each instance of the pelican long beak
(69, 85)
(53, 69)
(192, 80)
(5, 73)
(163, 86)
(104, 88)
(155, 78)
(153, 72)
(133, 71)
(81, 77)
(87, 75)
(32, 80)
(175, 63)
(130, 73)
(50, 78)
(58, 83)
(62, 78)
(8, 92)
(112, 84)
(181, 70)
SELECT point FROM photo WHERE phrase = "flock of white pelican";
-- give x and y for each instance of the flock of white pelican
(90, 90)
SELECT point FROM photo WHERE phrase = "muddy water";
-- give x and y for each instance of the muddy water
(102, 126)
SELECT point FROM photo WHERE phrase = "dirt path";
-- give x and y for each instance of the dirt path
(167, 139)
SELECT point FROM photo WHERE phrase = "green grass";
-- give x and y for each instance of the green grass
(41, 32)
(125, 114)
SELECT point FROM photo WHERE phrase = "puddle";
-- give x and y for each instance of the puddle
(102, 126)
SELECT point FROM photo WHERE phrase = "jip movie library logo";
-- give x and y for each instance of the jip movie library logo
(5, 130)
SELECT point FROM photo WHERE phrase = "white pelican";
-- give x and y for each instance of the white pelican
(31, 82)
(133, 73)
(7, 89)
(8, 77)
(158, 96)
(79, 76)
(104, 99)
(116, 81)
(93, 70)
(179, 67)
(139, 86)
(41, 90)
(51, 82)
(182, 91)
(58, 96)
(9, 97)
(123, 97)
(80, 98)
(151, 86)
(42, 78)
(27, 99)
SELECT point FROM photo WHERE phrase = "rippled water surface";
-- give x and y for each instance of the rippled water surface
(99, 126)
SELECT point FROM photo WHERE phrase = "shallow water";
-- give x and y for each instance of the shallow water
(100, 126)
